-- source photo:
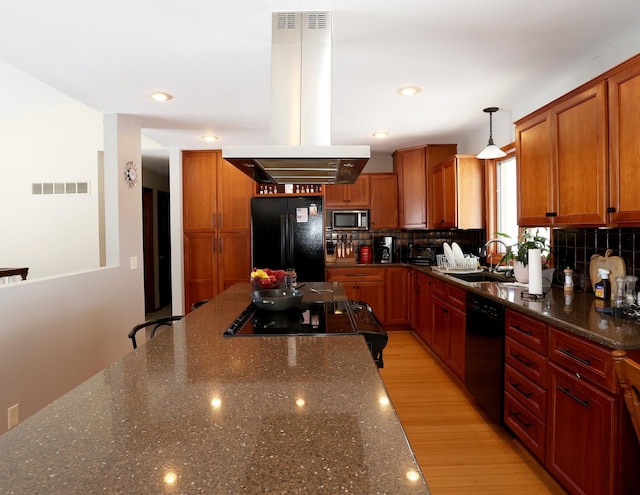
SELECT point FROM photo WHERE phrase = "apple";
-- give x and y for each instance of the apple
(265, 283)
(279, 275)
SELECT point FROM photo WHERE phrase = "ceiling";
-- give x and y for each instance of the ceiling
(214, 58)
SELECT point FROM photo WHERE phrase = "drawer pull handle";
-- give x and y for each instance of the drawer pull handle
(567, 352)
(516, 416)
(517, 386)
(584, 403)
(521, 360)
(516, 327)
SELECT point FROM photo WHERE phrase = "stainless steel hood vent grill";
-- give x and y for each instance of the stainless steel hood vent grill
(300, 150)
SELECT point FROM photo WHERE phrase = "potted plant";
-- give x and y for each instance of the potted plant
(518, 254)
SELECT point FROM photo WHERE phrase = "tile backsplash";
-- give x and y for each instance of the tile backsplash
(574, 247)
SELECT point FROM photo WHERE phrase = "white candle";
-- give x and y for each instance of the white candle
(535, 272)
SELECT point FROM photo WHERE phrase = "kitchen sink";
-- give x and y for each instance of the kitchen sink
(481, 277)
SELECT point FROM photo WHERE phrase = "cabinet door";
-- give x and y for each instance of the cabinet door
(579, 125)
(199, 267)
(412, 187)
(334, 196)
(373, 294)
(359, 193)
(456, 329)
(235, 190)
(579, 434)
(425, 320)
(384, 201)
(199, 191)
(234, 259)
(439, 324)
(534, 172)
(624, 145)
(396, 294)
(437, 219)
(450, 193)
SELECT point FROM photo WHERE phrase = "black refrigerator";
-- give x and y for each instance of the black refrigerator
(289, 233)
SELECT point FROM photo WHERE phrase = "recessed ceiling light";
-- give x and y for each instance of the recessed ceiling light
(161, 96)
(408, 90)
(380, 134)
(210, 138)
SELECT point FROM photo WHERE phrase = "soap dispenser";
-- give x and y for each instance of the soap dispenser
(603, 287)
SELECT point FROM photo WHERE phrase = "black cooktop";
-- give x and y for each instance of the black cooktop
(314, 318)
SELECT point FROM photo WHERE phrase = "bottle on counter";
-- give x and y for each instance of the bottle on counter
(603, 287)
(568, 280)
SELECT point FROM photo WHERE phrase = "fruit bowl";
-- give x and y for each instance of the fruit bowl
(266, 283)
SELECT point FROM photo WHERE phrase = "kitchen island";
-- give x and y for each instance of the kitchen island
(194, 412)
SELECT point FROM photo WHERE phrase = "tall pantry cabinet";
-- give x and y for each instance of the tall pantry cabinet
(217, 225)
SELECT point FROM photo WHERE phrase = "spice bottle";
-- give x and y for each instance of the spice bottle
(603, 287)
(568, 280)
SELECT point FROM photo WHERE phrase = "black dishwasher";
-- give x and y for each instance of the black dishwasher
(484, 354)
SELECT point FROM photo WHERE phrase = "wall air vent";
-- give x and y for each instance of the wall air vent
(57, 188)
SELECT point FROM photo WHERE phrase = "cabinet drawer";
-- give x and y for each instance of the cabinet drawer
(528, 362)
(530, 395)
(355, 274)
(439, 289)
(582, 358)
(529, 331)
(529, 429)
(457, 297)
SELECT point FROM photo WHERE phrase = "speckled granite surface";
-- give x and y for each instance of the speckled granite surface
(576, 313)
(194, 412)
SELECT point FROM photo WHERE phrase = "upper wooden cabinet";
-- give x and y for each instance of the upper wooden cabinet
(216, 194)
(577, 157)
(624, 144)
(356, 195)
(571, 141)
(384, 201)
(413, 167)
(217, 225)
(458, 193)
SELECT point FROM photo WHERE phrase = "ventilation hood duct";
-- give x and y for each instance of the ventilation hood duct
(300, 150)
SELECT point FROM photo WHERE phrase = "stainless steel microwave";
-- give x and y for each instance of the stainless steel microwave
(350, 219)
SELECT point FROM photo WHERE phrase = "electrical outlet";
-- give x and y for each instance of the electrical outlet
(13, 414)
(134, 262)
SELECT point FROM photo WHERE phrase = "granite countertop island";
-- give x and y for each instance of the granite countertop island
(194, 412)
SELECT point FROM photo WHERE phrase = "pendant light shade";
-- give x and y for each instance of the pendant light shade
(491, 151)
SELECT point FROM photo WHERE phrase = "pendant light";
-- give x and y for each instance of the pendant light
(491, 151)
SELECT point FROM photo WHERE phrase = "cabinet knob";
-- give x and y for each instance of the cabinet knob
(551, 214)
(611, 209)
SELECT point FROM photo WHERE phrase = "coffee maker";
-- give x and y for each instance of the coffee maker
(385, 249)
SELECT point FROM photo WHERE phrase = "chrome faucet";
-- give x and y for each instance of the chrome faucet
(483, 252)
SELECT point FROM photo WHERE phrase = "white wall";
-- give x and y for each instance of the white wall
(57, 332)
(56, 141)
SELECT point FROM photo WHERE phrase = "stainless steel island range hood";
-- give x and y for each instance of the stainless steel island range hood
(301, 151)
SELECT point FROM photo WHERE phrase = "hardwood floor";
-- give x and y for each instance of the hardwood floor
(458, 450)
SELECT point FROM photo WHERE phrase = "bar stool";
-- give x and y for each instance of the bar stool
(155, 322)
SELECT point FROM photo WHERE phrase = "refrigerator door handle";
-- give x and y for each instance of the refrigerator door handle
(283, 240)
(292, 227)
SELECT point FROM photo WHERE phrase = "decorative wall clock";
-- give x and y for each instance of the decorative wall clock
(131, 174)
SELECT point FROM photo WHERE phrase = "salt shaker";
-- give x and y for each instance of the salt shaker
(568, 280)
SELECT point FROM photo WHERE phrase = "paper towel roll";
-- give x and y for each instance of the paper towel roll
(535, 271)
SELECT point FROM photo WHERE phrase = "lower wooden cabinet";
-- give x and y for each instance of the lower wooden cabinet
(362, 284)
(448, 325)
(397, 293)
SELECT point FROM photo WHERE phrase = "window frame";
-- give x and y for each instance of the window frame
(491, 191)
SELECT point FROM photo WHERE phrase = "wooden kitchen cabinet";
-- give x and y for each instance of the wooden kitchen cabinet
(562, 161)
(525, 381)
(413, 167)
(458, 193)
(362, 284)
(397, 294)
(624, 145)
(384, 201)
(217, 225)
(356, 195)
(448, 325)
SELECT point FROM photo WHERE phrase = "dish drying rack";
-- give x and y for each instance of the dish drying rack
(469, 264)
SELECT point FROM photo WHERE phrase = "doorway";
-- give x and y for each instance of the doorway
(157, 250)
